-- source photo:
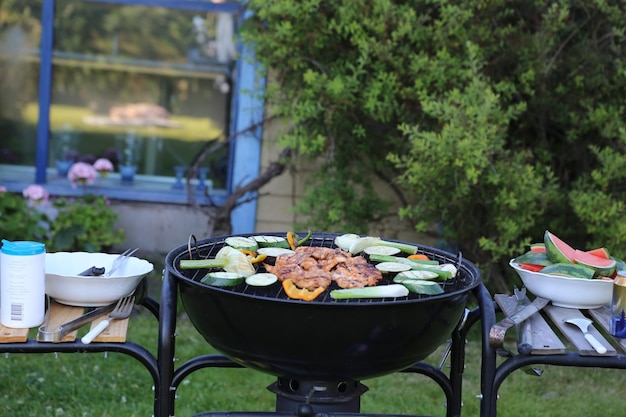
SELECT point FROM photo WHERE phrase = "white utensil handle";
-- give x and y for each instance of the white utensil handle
(93, 333)
(595, 343)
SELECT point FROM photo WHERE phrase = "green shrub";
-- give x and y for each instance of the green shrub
(493, 120)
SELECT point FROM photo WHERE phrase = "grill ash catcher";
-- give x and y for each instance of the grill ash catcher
(346, 341)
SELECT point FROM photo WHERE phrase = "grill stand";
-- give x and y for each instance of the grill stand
(303, 397)
(450, 384)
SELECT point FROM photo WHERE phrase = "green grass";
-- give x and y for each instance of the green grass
(115, 385)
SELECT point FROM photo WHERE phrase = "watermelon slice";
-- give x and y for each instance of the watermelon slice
(601, 252)
(557, 250)
(604, 267)
(538, 248)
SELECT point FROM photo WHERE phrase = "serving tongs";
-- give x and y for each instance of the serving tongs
(55, 336)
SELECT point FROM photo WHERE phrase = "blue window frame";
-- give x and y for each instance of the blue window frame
(246, 110)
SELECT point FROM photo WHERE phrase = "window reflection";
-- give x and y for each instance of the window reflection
(142, 86)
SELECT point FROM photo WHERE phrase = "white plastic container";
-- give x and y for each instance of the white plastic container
(22, 284)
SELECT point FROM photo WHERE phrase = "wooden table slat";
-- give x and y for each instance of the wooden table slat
(544, 339)
(558, 315)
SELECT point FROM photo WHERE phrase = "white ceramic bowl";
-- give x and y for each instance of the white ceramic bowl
(67, 287)
(567, 292)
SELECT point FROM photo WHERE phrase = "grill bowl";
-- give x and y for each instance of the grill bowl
(322, 339)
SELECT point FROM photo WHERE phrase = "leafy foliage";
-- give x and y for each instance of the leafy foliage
(19, 220)
(497, 119)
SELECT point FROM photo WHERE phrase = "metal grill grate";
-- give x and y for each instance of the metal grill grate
(466, 278)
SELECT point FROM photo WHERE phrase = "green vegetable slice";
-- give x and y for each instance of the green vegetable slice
(274, 252)
(386, 267)
(223, 279)
(416, 274)
(271, 241)
(244, 243)
(262, 279)
(381, 250)
(423, 287)
(383, 291)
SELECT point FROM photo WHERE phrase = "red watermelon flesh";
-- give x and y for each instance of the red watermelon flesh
(601, 252)
(604, 267)
(557, 250)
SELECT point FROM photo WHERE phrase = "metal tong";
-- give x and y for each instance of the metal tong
(96, 271)
(55, 336)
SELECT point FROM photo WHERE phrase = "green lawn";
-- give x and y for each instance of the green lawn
(115, 385)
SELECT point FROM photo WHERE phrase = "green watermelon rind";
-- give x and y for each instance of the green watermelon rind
(570, 270)
(555, 254)
(535, 258)
(601, 270)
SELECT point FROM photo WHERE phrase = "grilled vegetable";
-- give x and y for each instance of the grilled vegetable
(381, 250)
(228, 258)
(386, 267)
(345, 241)
(301, 293)
(360, 244)
(262, 279)
(383, 291)
(423, 287)
(271, 241)
(413, 274)
(244, 243)
(274, 252)
(294, 240)
(223, 279)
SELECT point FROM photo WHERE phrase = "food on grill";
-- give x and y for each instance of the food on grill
(383, 291)
(240, 242)
(274, 252)
(443, 271)
(392, 267)
(228, 258)
(223, 279)
(381, 250)
(261, 279)
(301, 293)
(294, 240)
(419, 286)
(355, 244)
(317, 267)
(271, 241)
(413, 274)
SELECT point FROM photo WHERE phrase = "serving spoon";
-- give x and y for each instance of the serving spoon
(583, 325)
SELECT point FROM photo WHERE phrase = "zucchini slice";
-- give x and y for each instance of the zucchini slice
(381, 250)
(417, 274)
(388, 267)
(244, 243)
(223, 279)
(423, 287)
(271, 241)
(262, 279)
(274, 252)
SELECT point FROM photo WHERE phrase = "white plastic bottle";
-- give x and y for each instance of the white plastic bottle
(22, 284)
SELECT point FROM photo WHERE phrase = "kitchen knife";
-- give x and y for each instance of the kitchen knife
(498, 330)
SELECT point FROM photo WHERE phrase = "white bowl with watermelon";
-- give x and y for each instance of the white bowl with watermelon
(566, 276)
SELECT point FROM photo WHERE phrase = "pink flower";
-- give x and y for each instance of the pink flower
(82, 172)
(103, 164)
(3, 189)
(35, 193)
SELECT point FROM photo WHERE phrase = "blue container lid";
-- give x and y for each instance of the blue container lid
(22, 248)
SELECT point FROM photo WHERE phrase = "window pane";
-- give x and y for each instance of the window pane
(141, 86)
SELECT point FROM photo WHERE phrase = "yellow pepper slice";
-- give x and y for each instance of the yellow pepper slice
(300, 293)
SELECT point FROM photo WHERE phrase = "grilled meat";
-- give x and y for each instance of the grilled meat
(312, 267)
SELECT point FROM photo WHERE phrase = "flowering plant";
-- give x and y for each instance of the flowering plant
(19, 220)
(82, 173)
(103, 166)
(85, 223)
